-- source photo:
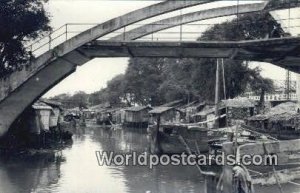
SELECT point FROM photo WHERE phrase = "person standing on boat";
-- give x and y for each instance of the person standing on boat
(277, 31)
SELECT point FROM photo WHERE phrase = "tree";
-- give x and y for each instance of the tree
(116, 91)
(156, 81)
(79, 99)
(21, 21)
(143, 77)
(248, 26)
(178, 83)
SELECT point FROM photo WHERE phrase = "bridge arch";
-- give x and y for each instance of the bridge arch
(51, 67)
(188, 18)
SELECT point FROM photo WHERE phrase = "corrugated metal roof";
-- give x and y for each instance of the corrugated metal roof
(160, 110)
(239, 102)
(205, 112)
(51, 102)
(208, 109)
(172, 103)
(138, 108)
(258, 118)
(97, 107)
(41, 106)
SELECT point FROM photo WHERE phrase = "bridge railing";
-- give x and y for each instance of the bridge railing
(185, 32)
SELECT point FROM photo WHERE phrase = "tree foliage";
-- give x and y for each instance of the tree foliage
(21, 21)
(79, 99)
(155, 81)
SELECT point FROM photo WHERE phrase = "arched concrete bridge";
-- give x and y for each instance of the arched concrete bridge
(22, 88)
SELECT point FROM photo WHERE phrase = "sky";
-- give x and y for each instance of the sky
(94, 75)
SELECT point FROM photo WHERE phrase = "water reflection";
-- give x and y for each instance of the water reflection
(163, 179)
(75, 168)
(27, 173)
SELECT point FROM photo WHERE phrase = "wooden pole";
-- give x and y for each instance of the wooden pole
(217, 95)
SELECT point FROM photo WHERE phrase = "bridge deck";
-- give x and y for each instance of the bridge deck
(283, 52)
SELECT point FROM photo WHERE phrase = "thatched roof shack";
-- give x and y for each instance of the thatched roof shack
(137, 116)
(166, 114)
(281, 110)
(281, 117)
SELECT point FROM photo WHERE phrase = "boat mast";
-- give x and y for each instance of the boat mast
(217, 90)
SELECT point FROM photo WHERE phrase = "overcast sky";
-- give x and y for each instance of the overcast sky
(93, 75)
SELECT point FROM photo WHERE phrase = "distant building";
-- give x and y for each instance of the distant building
(279, 93)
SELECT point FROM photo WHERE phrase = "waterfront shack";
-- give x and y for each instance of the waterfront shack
(120, 114)
(108, 116)
(206, 117)
(56, 109)
(88, 113)
(103, 117)
(41, 119)
(191, 109)
(115, 115)
(239, 109)
(137, 116)
(166, 114)
(281, 121)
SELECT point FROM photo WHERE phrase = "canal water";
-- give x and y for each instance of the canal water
(75, 169)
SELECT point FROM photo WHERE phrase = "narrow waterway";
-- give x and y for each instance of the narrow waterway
(75, 168)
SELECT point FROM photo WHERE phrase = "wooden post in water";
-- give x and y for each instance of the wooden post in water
(217, 90)
(210, 184)
(155, 147)
(227, 169)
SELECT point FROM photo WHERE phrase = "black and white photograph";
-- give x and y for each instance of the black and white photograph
(149, 96)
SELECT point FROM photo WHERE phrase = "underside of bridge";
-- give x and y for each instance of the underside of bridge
(283, 52)
(22, 88)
